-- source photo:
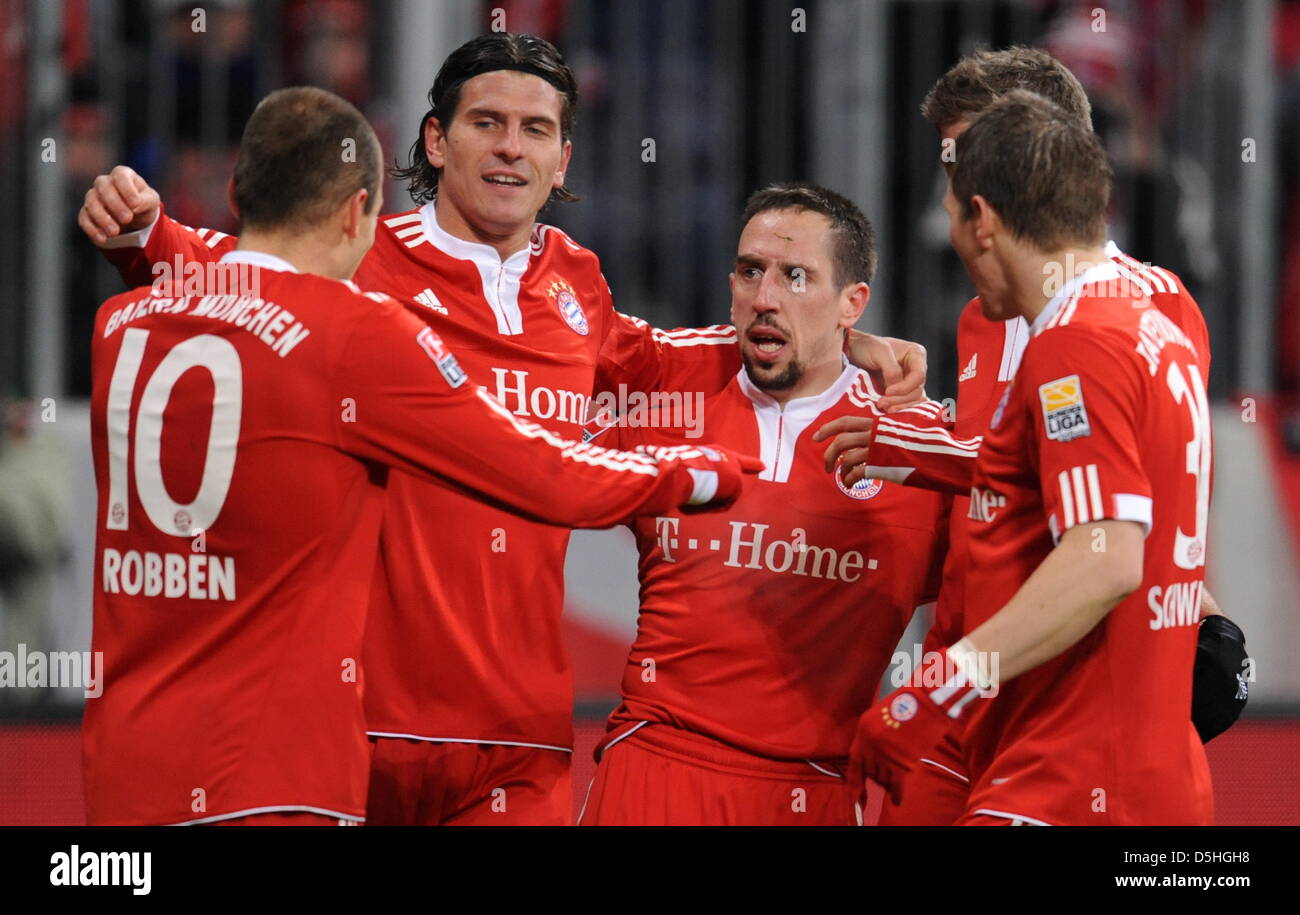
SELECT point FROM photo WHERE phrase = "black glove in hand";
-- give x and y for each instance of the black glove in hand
(1219, 686)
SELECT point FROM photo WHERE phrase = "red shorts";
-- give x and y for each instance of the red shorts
(659, 775)
(935, 792)
(289, 818)
(422, 783)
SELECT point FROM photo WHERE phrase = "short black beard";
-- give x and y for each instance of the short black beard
(788, 378)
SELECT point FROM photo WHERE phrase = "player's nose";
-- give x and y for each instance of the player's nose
(509, 145)
(766, 299)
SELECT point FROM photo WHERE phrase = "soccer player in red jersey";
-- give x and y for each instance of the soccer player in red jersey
(242, 438)
(989, 353)
(764, 632)
(1089, 505)
(470, 687)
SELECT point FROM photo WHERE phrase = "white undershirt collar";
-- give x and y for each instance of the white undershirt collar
(779, 428)
(500, 277)
(258, 259)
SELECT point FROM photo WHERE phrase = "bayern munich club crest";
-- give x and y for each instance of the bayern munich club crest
(904, 707)
(861, 490)
(567, 301)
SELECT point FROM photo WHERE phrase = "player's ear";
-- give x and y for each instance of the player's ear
(434, 142)
(565, 155)
(354, 211)
(853, 303)
(987, 221)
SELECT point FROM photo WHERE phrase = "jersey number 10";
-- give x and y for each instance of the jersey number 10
(221, 360)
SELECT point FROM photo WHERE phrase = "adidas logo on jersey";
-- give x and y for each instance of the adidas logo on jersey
(969, 372)
(429, 300)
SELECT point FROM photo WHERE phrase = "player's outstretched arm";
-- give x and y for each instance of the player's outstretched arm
(644, 358)
(1069, 593)
(913, 446)
(417, 410)
(125, 219)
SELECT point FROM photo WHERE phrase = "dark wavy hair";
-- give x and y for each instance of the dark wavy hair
(494, 51)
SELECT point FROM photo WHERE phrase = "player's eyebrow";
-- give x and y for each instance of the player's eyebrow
(481, 112)
(753, 260)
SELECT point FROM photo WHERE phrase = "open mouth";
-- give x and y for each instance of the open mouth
(767, 341)
(502, 180)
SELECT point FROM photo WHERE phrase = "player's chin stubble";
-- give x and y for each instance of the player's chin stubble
(770, 380)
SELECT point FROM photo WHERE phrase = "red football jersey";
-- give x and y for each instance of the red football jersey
(989, 353)
(769, 626)
(472, 649)
(241, 444)
(1106, 419)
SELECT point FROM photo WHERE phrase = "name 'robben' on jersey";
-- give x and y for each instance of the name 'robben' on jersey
(450, 655)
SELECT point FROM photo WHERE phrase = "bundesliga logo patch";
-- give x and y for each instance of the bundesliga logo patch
(863, 489)
(1064, 414)
(432, 344)
(567, 302)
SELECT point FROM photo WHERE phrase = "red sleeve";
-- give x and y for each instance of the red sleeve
(416, 409)
(917, 447)
(135, 253)
(643, 358)
(1085, 397)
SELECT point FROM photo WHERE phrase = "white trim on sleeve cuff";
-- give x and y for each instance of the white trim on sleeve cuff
(137, 239)
(706, 485)
(1128, 507)
(1132, 507)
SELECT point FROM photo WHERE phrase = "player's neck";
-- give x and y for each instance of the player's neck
(304, 251)
(815, 380)
(452, 221)
(1036, 278)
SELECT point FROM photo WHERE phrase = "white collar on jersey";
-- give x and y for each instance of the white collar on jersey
(459, 248)
(258, 259)
(779, 428)
(1069, 293)
(500, 278)
(1112, 250)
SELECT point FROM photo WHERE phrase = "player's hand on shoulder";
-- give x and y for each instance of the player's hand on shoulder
(901, 363)
(118, 202)
(716, 473)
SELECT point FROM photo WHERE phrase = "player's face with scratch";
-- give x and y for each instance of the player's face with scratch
(503, 152)
(784, 301)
